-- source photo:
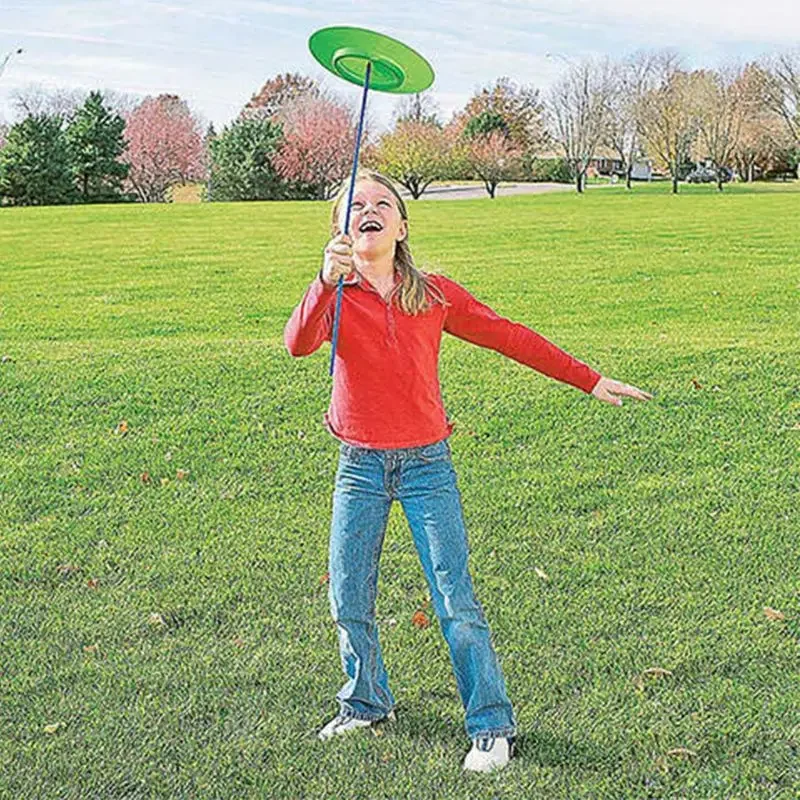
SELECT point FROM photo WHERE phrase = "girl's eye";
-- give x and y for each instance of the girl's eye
(384, 203)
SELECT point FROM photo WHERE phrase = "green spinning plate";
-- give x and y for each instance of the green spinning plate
(396, 67)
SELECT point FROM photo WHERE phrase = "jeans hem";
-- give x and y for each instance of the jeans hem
(349, 713)
(496, 732)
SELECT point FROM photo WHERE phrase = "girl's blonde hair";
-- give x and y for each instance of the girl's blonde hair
(414, 290)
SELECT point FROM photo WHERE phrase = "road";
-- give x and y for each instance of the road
(455, 191)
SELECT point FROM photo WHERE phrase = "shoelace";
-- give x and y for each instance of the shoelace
(486, 743)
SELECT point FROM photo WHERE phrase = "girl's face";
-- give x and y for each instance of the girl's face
(376, 223)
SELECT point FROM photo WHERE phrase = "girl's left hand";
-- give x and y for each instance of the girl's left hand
(607, 389)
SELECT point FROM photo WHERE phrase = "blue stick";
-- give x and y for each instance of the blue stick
(340, 287)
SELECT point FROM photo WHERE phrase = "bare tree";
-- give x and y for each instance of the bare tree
(782, 90)
(579, 109)
(38, 99)
(420, 107)
(764, 133)
(629, 81)
(723, 105)
(667, 115)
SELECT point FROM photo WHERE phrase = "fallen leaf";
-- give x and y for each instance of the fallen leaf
(91, 648)
(660, 671)
(680, 751)
(65, 569)
(696, 384)
(122, 427)
(420, 619)
(182, 473)
(156, 619)
(386, 758)
(541, 573)
(92, 583)
(773, 614)
(164, 481)
(7, 358)
(324, 579)
(145, 477)
(54, 727)
(239, 642)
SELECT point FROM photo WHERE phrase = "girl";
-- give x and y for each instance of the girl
(386, 410)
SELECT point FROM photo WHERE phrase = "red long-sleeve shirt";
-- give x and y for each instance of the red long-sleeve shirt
(386, 391)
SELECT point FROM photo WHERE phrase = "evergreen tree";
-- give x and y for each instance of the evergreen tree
(95, 140)
(34, 163)
(484, 123)
(241, 162)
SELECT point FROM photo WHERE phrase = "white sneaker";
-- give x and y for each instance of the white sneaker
(340, 724)
(489, 752)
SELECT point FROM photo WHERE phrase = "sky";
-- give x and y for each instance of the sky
(217, 54)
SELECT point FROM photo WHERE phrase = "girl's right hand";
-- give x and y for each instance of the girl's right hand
(338, 259)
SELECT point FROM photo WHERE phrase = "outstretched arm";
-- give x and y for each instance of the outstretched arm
(476, 322)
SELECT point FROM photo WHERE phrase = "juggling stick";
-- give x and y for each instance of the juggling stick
(369, 59)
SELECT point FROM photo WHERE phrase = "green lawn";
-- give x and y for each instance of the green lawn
(171, 638)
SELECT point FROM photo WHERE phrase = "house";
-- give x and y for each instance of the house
(607, 162)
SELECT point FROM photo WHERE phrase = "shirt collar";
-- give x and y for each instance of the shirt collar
(359, 280)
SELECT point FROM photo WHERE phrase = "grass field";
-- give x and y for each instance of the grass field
(168, 634)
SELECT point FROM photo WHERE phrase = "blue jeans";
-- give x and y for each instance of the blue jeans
(424, 481)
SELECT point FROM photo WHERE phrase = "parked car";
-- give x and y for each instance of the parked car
(703, 174)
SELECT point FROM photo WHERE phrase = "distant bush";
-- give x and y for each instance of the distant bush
(551, 170)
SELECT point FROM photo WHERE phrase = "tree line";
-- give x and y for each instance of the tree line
(294, 140)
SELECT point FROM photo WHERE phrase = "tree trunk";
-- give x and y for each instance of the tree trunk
(628, 176)
(579, 182)
(675, 180)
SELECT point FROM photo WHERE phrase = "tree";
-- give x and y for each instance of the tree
(3, 134)
(278, 92)
(419, 107)
(485, 123)
(667, 114)
(782, 90)
(241, 162)
(34, 163)
(520, 107)
(37, 99)
(493, 157)
(165, 147)
(414, 154)
(317, 148)
(95, 140)
(628, 82)
(580, 111)
(762, 133)
(723, 105)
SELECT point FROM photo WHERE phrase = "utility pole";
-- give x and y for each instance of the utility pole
(8, 58)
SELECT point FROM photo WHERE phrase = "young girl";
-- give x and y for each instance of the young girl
(386, 410)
